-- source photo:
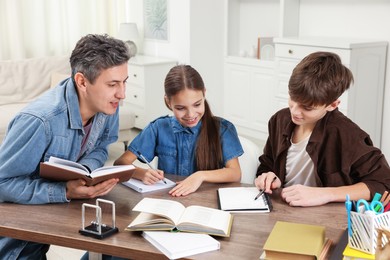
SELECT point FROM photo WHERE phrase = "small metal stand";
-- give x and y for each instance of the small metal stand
(97, 229)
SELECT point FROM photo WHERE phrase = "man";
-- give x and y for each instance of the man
(76, 121)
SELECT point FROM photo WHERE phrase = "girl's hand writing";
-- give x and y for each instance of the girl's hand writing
(151, 176)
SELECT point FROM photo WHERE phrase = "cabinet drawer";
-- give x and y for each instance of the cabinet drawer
(286, 66)
(139, 115)
(136, 75)
(299, 52)
(135, 95)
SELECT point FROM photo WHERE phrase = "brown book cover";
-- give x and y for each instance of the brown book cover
(57, 169)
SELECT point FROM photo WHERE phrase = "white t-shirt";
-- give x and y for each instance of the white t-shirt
(299, 166)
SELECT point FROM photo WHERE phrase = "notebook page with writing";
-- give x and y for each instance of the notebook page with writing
(242, 199)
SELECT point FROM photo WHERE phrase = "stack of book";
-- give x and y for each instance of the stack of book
(296, 241)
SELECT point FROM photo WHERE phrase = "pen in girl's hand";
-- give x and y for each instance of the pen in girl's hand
(262, 191)
(148, 163)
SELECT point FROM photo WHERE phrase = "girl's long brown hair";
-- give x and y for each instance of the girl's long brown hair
(208, 148)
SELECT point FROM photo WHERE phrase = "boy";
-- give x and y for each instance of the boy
(76, 121)
(313, 151)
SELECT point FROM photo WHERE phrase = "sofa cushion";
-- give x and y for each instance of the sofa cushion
(7, 113)
(24, 80)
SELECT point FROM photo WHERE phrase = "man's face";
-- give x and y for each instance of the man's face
(107, 91)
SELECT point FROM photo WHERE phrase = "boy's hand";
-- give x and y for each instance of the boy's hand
(267, 182)
(187, 186)
(76, 189)
(300, 195)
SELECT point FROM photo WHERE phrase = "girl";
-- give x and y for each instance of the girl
(191, 143)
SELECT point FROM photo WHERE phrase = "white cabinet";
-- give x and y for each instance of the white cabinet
(255, 89)
(363, 102)
(145, 88)
(249, 95)
(250, 83)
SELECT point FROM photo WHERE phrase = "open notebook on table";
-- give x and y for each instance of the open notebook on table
(242, 200)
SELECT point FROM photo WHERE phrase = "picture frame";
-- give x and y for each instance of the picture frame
(156, 20)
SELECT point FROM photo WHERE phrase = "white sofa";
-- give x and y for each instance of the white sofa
(24, 80)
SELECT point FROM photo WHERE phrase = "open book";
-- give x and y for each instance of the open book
(242, 200)
(58, 169)
(139, 186)
(161, 214)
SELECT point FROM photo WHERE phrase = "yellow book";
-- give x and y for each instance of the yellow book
(354, 254)
(295, 241)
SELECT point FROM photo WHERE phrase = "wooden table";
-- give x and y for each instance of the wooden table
(59, 224)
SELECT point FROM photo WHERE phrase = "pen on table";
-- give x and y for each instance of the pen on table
(262, 191)
(148, 163)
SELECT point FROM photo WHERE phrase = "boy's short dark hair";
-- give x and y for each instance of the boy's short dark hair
(319, 79)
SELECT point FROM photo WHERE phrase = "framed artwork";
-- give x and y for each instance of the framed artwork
(156, 19)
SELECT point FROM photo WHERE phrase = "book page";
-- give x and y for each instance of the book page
(206, 217)
(62, 163)
(147, 218)
(111, 169)
(241, 198)
(167, 208)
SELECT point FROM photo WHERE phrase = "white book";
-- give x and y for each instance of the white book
(139, 186)
(242, 200)
(177, 244)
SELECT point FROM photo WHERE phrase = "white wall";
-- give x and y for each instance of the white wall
(357, 19)
(195, 38)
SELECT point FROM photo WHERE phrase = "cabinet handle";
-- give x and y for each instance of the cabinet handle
(135, 96)
(136, 116)
(290, 51)
(134, 75)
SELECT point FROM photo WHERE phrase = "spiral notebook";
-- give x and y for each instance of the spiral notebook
(242, 200)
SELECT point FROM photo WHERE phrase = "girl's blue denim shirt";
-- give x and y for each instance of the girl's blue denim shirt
(174, 145)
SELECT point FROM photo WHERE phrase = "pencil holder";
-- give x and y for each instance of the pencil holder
(364, 234)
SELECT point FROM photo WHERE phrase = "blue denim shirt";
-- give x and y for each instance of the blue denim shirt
(174, 145)
(49, 126)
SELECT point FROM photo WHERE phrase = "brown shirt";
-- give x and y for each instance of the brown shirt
(342, 153)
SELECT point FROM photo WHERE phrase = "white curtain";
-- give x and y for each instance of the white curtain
(35, 28)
